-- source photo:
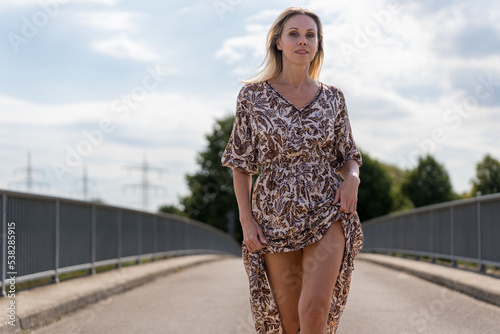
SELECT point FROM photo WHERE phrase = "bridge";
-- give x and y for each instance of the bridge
(167, 274)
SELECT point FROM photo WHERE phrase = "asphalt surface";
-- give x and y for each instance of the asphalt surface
(207, 298)
(387, 301)
(213, 298)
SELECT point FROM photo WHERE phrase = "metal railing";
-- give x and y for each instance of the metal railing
(464, 230)
(45, 236)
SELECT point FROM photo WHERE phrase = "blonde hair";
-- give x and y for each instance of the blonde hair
(273, 63)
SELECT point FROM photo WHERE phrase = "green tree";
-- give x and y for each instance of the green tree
(374, 194)
(487, 180)
(400, 202)
(212, 197)
(428, 183)
(173, 209)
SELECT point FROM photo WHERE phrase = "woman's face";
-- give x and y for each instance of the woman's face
(299, 40)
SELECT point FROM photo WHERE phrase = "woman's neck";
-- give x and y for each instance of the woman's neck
(293, 76)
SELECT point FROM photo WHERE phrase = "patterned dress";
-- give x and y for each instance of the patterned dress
(299, 152)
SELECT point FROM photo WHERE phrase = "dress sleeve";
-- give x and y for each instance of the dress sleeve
(240, 152)
(345, 146)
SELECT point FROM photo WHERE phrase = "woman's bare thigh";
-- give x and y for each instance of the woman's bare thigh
(284, 272)
(321, 265)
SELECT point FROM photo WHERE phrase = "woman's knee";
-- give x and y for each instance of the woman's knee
(290, 325)
(314, 309)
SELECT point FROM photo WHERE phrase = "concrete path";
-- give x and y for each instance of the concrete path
(388, 301)
(209, 294)
(482, 287)
(210, 298)
(42, 305)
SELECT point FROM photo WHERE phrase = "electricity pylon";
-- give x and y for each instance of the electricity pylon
(145, 186)
(29, 171)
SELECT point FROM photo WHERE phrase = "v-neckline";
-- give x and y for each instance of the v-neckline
(318, 92)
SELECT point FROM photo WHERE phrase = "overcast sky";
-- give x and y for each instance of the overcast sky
(107, 82)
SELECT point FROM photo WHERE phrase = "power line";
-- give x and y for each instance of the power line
(29, 171)
(145, 186)
(85, 182)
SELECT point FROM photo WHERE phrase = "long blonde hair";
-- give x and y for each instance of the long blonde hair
(273, 63)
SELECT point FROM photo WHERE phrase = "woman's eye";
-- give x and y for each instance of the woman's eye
(310, 35)
(293, 33)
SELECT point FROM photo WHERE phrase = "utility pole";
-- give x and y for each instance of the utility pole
(85, 183)
(29, 171)
(145, 186)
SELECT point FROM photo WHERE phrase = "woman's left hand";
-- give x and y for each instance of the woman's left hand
(347, 194)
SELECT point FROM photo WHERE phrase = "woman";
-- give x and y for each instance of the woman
(301, 233)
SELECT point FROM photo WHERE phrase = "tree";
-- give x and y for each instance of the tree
(487, 180)
(173, 209)
(400, 202)
(428, 183)
(212, 198)
(374, 194)
(380, 189)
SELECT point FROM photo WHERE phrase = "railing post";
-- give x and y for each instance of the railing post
(4, 243)
(139, 238)
(433, 251)
(482, 267)
(188, 235)
(55, 278)
(93, 242)
(119, 243)
(155, 238)
(415, 240)
(452, 236)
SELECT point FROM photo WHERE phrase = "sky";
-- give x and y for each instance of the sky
(109, 84)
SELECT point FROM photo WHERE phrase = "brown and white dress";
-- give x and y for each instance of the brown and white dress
(299, 152)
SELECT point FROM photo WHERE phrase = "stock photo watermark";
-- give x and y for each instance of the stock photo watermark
(453, 118)
(120, 108)
(223, 6)
(11, 272)
(31, 26)
(421, 319)
(363, 37)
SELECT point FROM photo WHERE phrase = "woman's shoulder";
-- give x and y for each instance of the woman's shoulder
(332, 90)
(252, 87)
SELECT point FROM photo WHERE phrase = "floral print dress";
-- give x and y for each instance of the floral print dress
(299, 152)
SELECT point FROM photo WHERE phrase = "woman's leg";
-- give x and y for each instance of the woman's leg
(284, 273)
(321, 265)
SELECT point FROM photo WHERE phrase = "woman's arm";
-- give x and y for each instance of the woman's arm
(253, 237)
(347, 193)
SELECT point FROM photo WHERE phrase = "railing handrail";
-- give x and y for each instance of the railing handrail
(151, 235)
(462, 230)
(443, 205)
(111, 206)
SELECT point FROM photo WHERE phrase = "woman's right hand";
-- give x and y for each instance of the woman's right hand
(253, 237)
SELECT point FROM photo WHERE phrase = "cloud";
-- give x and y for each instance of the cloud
(245, 48)
(24, 112)
(189, 10)
(108, 20)
(163, 126)
(476, 41)
(409, 70)
(439, 6)
(25, 3)
(399, 85)
(122, 46)
(266, 16)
